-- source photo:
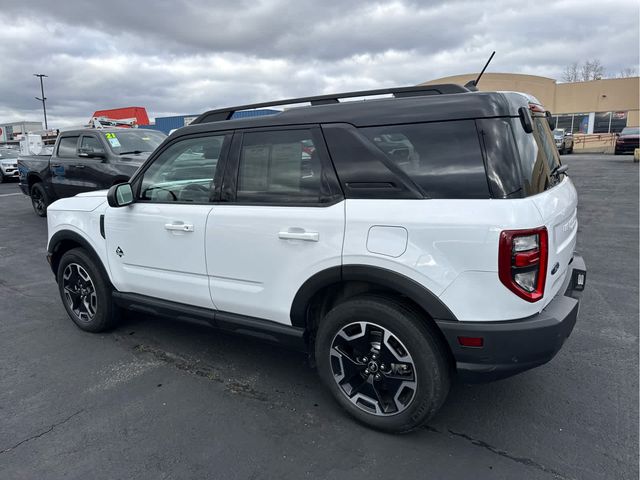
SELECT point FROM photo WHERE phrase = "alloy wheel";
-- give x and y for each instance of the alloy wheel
(373, 368)
(38, 201)
(79, 292)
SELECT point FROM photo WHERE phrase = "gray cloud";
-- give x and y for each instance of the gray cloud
(185, 56)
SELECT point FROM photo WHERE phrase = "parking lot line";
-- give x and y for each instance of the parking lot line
(10, 194)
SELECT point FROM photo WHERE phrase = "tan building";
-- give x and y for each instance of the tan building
(598, 106)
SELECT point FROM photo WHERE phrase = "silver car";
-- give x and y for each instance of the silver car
(564, 140)
(8, 163)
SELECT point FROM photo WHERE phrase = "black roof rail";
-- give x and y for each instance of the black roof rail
(439, 89)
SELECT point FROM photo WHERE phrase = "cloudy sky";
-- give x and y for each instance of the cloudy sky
(184, 56)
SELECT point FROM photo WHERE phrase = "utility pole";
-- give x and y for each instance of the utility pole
(43, 99)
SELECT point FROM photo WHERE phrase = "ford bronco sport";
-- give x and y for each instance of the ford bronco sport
(400, 240)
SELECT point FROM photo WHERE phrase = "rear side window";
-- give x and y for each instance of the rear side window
(538, 155)
(67, 146)
(279, 167)
(443, 159)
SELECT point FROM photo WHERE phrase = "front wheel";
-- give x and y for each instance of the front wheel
(85, 292)
(382, 363)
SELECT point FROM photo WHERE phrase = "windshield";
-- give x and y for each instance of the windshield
(133, 140)
(558, 132)
(630, 131)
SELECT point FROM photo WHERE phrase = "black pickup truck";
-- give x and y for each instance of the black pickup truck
(83, 160)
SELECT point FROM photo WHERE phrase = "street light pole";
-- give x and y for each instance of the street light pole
(44, 106)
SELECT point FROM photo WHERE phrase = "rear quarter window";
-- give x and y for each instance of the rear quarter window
(443, 159)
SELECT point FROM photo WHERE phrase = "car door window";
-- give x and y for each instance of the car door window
(279, 167)
(184, 172)
(90, 144)
(67, 147)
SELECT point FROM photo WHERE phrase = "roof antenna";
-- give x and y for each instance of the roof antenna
(473, 84)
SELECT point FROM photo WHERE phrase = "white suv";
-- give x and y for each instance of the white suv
(399, 240)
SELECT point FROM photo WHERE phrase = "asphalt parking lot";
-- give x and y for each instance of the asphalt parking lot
(159, 399)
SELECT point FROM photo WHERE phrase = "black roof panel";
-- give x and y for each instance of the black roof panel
(382, 111)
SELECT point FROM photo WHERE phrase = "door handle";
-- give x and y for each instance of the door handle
(55, 165)
(180, 227)
(293, 235)
(79, 166)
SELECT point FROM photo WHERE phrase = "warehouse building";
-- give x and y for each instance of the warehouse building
(12, 130)
(166, 124)
(595, 107)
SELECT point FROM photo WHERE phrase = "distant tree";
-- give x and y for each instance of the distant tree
(628, 72)
(591, 70)
(588, 70)
(570, 73)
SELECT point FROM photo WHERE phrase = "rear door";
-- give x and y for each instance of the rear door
(280, 222)
(64, 174)
(554, 196)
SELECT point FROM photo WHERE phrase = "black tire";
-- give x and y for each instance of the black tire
(85, 291)
(39, 199)
(570, 150)
(427, 368)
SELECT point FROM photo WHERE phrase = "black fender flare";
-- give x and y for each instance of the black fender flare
(62, 236)
(389, 279)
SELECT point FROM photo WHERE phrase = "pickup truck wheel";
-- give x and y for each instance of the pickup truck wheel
(85, 293)
(39, 199)
(382, 363)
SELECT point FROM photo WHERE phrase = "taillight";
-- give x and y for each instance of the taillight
(522, 262)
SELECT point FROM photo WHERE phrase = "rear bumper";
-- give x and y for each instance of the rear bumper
(511, 347)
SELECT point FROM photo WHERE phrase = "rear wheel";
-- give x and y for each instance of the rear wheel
(382, 363)
(39, 199)
(85, 292)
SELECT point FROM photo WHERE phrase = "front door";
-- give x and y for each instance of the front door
(280, 222)
(156, 245)
(92, 169)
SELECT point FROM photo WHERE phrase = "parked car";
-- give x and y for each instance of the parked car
(8, 163)
(628, 140)
(85, 160)
(564, 140)
(305, 228)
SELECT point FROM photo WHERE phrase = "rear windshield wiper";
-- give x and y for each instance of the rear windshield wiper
(132, 151)
(558, 169)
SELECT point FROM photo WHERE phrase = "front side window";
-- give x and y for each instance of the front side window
(184, 172)
(67, 147)
(279, 167)
(90, 143)
(443, 159)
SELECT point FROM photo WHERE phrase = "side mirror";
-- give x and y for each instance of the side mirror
(525, 119)
(551, 120)
(92, 152)
(120, 195)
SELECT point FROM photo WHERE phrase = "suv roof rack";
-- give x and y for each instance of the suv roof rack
(438, 89)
